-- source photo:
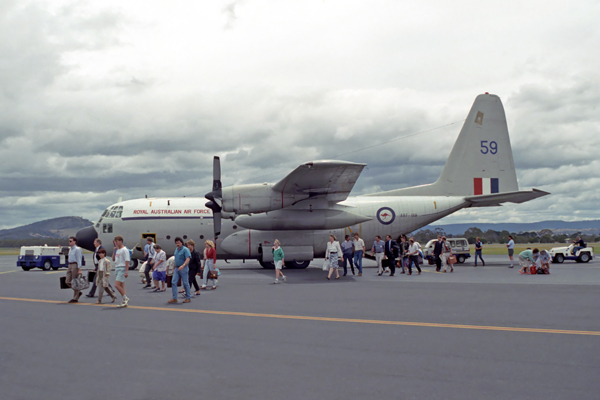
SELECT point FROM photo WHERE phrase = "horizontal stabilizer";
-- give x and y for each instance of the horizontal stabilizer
(508, 197)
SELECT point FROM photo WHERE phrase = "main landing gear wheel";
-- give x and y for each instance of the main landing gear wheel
(297, 264)
(559, 259)
(133, 264)
(47, 265)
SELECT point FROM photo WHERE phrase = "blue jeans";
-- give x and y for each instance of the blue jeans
(208, 266)
(403, 261)
(348, 259)
(358, 256)
(478, 254)
(183, 274)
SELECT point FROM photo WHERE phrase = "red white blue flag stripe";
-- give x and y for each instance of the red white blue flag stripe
(485, 186)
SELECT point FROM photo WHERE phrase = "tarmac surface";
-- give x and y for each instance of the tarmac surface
(478, 333)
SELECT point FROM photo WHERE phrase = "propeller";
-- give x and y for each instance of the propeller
(215, 197)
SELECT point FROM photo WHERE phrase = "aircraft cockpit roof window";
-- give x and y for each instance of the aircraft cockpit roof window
(114, 212)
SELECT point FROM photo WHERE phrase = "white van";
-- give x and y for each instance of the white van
(460, 248)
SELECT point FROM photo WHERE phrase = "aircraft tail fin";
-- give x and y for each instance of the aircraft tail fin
(481, 161)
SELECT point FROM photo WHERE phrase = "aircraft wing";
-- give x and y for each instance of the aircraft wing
(510, 197)
(330, 179)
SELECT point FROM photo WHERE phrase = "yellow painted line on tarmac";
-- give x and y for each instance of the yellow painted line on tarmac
(55, 272)
(329, 319)
(8, 272)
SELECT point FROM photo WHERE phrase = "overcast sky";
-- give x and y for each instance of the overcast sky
(107, 99)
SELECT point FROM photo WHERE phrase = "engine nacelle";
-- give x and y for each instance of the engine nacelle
(283, 220)
(256, 198)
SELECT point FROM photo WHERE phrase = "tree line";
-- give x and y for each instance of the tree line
(491, 236)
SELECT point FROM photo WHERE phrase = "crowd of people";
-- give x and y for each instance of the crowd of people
(186, 265)
(159, 272)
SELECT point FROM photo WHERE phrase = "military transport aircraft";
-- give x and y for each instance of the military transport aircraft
(312, 202)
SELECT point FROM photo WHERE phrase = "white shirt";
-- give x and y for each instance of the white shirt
(161, 256)
(75, 256)
(102, 263)
(170, 265)
(511, 244)
(94, 259)
(121, 257)
(413, 249)
(359, 245)
(333, 248)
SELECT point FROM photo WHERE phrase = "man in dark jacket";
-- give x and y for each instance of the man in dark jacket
(391, 251)
(437, 252)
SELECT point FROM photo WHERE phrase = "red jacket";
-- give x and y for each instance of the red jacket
(211, 253)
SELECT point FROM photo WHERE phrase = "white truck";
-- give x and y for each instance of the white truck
(560, 254)
(460, 248)
(44, 257)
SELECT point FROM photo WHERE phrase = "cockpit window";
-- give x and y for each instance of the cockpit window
(113, 212)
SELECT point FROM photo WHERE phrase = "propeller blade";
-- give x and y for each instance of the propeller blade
(216, 197)
(217, 224)
(217, 175)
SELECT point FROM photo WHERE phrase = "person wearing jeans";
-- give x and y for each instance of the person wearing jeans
(210, 258)
(478, 249)
(181, 270)
(359, 250)
(404, 253)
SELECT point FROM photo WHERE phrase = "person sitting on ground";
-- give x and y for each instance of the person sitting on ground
(527, 258)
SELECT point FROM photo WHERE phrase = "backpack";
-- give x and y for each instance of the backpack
(533, 270)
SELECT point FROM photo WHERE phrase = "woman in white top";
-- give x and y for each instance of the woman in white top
(333, 254)
(159, 269)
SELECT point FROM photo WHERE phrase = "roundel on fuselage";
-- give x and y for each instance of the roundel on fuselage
(386, 215)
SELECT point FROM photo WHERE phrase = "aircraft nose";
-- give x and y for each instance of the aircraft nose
(85, 238)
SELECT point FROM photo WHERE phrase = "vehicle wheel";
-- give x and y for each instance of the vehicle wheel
(26, 268)
(559, 259)
(55, 268)
(133, 264)
(297, 264)
(584, 257)
(266, 265)
(47, 265)
(460, 258)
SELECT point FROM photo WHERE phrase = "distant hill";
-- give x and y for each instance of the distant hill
(58, 228)
(585, 227)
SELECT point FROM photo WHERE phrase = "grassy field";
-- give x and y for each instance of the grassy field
(9, 251)
(500, 249)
